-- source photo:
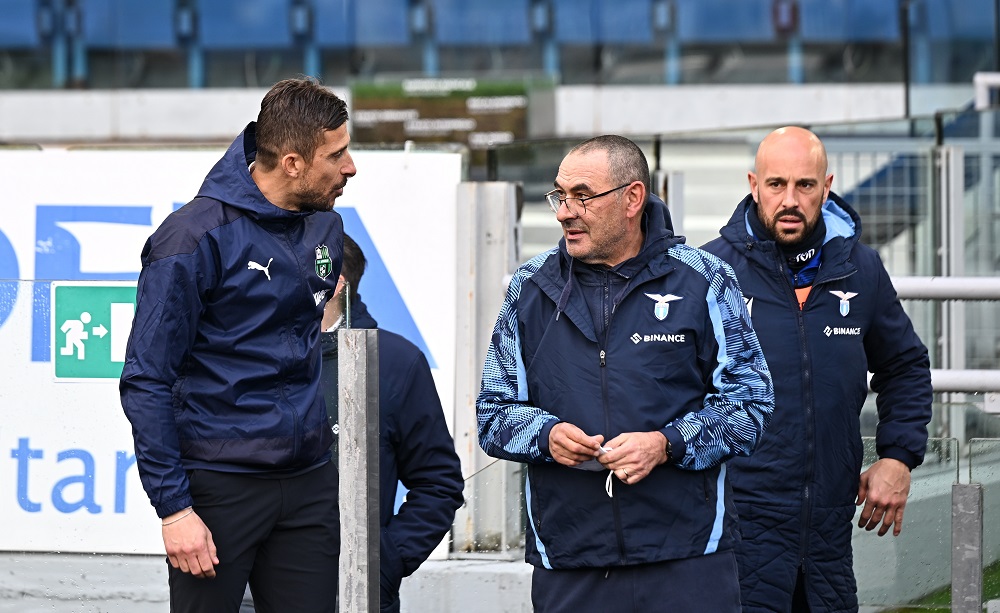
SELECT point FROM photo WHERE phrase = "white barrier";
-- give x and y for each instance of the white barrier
(68, 480)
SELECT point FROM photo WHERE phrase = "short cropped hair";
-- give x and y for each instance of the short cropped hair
(293, 116)
(354, 265)
(626, 161)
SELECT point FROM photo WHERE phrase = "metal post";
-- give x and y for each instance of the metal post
(950, 196)
(796, 70)
(985, 242)
(996, 35)
(550, 58)
(967, 548)
(672, 61)
(487, 253)
(904, 25)
(60, 45)
(359, 470)
(669, 185)
(196, 66)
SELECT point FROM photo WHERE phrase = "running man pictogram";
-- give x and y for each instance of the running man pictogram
(75, 332)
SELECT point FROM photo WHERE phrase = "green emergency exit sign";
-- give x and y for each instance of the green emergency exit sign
(91, 322)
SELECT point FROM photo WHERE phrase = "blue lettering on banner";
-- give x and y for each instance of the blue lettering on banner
(59, 254)
(9, 276)
(23, 454)
(384, 301)
(86, 480)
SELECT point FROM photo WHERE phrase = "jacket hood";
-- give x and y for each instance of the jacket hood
(841, 221)
(230, 182)
(360, 317)
(659, 230)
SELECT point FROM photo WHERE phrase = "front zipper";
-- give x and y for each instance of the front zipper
(606, 404)
(810, 414)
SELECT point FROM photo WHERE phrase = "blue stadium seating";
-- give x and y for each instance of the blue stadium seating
(958, 20)
(838, 21)
(19, 26)
(589, 22)
(126, 24)
(481, 22)
(244, 24)
(333, 22)
(365, 23)
(724, 21)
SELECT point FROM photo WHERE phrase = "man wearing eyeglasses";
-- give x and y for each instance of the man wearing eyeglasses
(624, 372)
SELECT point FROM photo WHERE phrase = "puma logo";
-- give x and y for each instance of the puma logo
(251, 265)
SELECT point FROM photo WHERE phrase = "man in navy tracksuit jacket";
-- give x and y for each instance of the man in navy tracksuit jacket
(222, 375)
(826, 314)
(624, 350)
(415, 447)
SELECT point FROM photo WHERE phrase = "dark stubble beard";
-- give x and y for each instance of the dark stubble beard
(316, 200)
(790, 239)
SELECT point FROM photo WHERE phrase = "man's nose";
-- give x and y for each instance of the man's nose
(564, 213)
(788, 199)
(349, 169)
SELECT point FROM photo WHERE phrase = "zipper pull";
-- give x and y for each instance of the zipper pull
(602, 357)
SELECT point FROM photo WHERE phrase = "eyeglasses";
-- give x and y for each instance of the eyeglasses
(555, 200)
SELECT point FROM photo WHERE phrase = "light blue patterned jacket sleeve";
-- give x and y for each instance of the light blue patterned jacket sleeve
(508, 425)
(736, 412)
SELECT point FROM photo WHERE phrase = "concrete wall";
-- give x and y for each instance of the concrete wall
(586, 110)
(570, 111)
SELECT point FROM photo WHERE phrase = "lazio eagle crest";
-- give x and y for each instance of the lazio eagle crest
(662, 306)
(845, 306)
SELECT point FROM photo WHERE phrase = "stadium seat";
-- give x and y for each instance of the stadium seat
(724, 21)
(481, 22)
(19, 25)
(839, 21)
(364, 23)
(118, 25)
(124, 24)
(590, 22)
(244, 24)
(951, 20)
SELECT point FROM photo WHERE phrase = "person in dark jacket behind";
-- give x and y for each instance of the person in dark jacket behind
(415, 447)
(826, 314)
(624, 372)
(222, 374)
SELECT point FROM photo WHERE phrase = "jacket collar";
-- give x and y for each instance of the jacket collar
(556, 278)
(843, 231)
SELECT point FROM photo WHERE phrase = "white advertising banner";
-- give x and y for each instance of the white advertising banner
(72, 226)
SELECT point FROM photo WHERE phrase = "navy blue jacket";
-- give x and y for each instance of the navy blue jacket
(222, 369)
(795, 495)
(677, 355)
(415, 448)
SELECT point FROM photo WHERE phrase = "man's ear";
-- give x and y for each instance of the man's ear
(341, 282)
(635, 198)
(752, 179)
(292, 164)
